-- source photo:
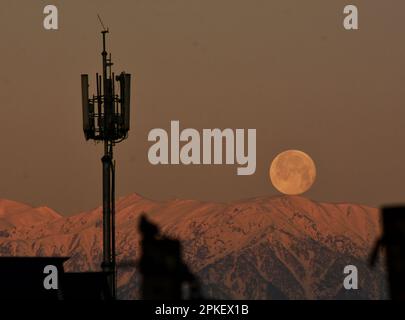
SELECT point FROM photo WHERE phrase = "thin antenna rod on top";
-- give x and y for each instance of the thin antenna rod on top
(102, 24)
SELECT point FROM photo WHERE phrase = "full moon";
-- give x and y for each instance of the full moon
(292, 172)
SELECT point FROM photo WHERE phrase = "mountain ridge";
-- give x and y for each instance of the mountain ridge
(257, 248)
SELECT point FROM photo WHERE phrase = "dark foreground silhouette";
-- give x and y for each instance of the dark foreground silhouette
(393, 241)
(25, 278)
(164, 274)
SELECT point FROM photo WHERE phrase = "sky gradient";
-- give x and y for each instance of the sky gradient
(286, 68)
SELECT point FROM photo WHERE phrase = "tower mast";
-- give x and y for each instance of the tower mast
(109, 123)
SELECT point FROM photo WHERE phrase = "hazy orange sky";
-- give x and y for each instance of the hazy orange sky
(286, 68)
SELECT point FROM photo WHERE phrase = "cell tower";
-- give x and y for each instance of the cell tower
(106, 118)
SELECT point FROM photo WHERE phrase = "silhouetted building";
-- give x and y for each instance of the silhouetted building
(393, 240)
(164, 274)
(86, 286)
(23, 278)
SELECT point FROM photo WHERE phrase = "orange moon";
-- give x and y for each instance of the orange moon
(292, 172)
